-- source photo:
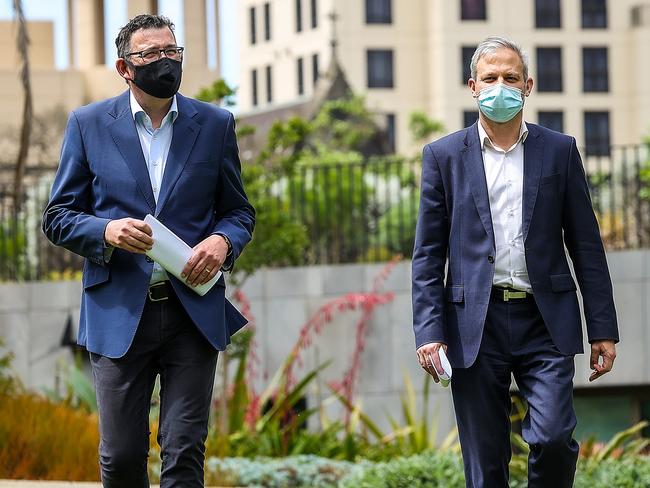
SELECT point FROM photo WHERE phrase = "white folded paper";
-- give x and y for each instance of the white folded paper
(445, 375)
(172, 253)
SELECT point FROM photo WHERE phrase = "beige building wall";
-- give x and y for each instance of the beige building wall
(89, 79)
(41, 48)
(427, 37)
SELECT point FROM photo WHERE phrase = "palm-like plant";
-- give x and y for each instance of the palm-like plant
(22, 43)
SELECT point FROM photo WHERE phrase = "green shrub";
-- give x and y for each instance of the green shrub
(630, 472)
(294, 472)
(423, 470)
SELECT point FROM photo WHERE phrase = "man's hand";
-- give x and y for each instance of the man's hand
(207, 259)
(132, 235)
(606, 350)
(430, 360)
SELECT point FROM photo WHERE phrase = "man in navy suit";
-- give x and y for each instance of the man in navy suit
(500, 201)
(151, 151)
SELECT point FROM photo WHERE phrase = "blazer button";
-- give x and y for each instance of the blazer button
(148, 259)
(490, 259)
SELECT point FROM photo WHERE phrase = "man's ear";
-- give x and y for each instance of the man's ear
(123, 69)
(472, 86)
(529, 86)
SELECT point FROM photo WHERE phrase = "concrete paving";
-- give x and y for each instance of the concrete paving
(51, 484)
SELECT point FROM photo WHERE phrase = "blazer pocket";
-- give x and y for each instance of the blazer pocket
(454, 293)
(550, 180)
(94, 275)
(209, 166)
(562, 282)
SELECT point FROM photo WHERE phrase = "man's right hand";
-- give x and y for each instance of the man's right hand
(132, 235)
(430, 360)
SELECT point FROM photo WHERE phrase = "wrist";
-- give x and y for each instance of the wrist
(228, 243)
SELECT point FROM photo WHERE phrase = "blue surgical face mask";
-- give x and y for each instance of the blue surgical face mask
(500, 103)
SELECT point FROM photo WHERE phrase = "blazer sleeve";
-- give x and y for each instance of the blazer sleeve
(235, 216)
(585, 246)
(68, 219)
(430, 255)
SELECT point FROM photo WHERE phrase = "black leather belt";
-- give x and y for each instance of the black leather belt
(160, 291)
(508, 294)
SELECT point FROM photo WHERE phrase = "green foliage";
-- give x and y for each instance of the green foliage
(630, 472)
(13, 244)
(218, 92)
(424, 128)
(295, 472)
(79, 389)
(7, 380)
(419, 471)
(345, 124)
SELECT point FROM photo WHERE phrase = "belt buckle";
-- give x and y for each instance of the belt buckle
(151, 297)
(508, 294)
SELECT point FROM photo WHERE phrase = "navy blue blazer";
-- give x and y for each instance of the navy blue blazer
(454, 229)
(103, 176)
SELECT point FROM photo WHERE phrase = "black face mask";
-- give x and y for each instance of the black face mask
(159, 79)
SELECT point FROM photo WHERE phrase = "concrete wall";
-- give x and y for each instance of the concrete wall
(33, 318)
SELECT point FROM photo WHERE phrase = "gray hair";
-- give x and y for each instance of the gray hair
(490, 45)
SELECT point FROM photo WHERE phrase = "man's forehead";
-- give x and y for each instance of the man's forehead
(501, 56)
(155, 34)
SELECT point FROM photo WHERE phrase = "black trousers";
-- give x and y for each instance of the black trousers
(167, 344)
(516, 342)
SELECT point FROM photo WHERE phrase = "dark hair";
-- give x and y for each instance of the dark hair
(144, 21)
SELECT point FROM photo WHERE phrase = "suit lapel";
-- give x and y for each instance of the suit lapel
(125, 136)
(473, 162)
(184, 135)
(533, 161)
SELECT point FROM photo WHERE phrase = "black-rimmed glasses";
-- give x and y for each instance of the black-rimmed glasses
(150, 55)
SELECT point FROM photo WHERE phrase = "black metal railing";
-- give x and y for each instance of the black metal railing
(355, 212)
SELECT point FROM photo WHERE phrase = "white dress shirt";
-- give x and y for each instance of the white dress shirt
(504, 174)
(155, 145)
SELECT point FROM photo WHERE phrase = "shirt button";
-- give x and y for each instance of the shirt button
(155, 189)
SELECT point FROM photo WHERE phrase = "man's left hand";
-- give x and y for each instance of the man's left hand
(606, 350)
(207, 259)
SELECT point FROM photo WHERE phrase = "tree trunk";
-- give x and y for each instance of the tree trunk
(22, 42)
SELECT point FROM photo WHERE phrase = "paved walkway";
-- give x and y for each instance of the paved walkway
(50, 484)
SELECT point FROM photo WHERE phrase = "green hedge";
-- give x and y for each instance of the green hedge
(424, 470)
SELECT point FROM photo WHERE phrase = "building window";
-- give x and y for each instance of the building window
(547, 14)
(597, 133)
(314, 14)
(301, 77)
(390, 132)
(314, 69)
(553, 120)
(380, 68)
(466, 58)
(595, 73)
(269, 84)
(594, 14)
(378, 12)
(253, 26)
(267, 21)
(255, 100)
(469, 117)
(472, 10)
(549, 69)
(298, 15)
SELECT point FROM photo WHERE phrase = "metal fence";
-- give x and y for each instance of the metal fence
(355, 212)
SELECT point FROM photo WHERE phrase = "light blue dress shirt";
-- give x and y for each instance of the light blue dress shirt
(155, 145)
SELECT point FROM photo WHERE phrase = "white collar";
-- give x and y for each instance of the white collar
(136, 108)
(483, 137)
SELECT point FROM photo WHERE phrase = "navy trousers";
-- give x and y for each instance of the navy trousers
(167, 344)
(516, 342)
